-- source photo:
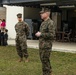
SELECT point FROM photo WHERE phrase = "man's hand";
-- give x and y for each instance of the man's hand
(38, 34)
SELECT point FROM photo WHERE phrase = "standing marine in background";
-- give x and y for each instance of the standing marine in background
(22, 32)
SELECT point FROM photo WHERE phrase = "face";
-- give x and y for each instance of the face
(19, 19)
(44, 15)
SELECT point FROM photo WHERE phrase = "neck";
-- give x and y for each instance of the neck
(20, 21)
(46, 19)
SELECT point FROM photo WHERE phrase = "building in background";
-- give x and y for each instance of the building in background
(63, 12)
(9, 13)
(2, 13)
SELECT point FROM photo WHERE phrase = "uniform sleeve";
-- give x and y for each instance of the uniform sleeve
(51, 32)
(15, 27)
(27, 30)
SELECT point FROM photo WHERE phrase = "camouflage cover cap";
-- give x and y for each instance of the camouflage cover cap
(19, 15)
(44, 10)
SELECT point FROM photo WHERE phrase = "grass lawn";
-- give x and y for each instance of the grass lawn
(62, 63)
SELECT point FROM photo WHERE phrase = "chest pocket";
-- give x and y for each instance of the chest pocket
(45, 29)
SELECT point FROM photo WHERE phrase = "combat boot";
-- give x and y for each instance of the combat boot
(20, 60)
(51, 74)
(26, 60)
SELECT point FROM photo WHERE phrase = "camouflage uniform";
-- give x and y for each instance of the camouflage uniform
(45, 45)
(22, 31)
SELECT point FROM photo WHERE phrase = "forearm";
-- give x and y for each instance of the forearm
(47, 35)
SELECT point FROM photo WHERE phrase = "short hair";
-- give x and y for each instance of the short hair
(6, 30)
(3, 20)
(48, 13)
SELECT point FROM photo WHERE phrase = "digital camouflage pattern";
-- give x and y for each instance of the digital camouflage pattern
(47, 30)
(22, 31)
(45, 59)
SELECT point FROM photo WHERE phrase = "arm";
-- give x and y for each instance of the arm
(27, 30)
(15, 27)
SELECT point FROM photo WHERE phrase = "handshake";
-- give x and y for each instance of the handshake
(38, 34)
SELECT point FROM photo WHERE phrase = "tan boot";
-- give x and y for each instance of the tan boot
(26, 60)
(51, 73)
(20, 60)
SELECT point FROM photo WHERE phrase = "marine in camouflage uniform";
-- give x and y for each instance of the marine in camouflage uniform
(47, 31)
(22, 31)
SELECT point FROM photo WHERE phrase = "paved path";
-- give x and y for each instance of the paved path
(57, 46)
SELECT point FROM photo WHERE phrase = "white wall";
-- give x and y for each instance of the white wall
(11, 19)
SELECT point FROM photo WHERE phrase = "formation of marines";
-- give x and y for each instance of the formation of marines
(45, 35)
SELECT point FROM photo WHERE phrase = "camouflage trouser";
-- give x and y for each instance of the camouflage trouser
(21, 47)
(45, 59)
